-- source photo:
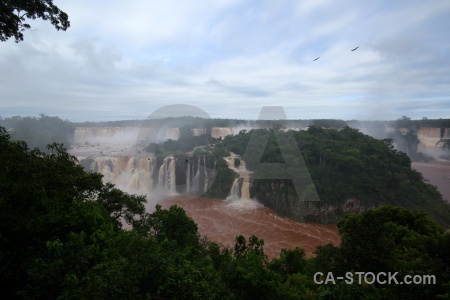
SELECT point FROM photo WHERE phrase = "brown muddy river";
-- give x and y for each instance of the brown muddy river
(438, 174)
(222, 220)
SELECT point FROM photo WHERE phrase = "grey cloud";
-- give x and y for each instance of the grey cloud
(98, 57)
(400, 49)
(245, 90)
(213, 82)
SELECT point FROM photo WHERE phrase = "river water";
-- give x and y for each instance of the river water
(222, 220)
(437, 173)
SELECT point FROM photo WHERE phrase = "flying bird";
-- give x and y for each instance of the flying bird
(355, 49)
(316, 58)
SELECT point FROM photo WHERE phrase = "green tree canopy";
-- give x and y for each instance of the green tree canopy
(14, 15)
(55, 218)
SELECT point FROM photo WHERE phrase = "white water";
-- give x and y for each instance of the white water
(166, 176)
(188, 176)
(198, 182)
(240, 191)
(221, 132)
(205, 172)
(105, 135)
(198, 131)
(235, 191)
(130, 174)
(172, 134)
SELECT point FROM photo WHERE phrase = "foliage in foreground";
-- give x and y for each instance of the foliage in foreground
(14, 15)
(61, 238)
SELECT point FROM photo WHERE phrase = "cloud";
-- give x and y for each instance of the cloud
(96, 57)
(121, 60)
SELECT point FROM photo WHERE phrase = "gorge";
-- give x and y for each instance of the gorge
(215, 168)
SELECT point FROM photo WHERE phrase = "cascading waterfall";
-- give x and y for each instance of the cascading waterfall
(166, 176)
(430, 137)
(198, 177)
(188, 176)
(130, 174)
(152, 171)
(221, 132)
(245, 190)
(172, 134)
(198, 131)
(235, 191)
(242, 165)
(143, 175)
(196, 183)
(241, 185)
(205, 185)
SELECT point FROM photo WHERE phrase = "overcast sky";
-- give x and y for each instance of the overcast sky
(125, 59)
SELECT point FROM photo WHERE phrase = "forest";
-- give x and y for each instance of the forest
(39, 131)
(351, 172)
(62, 237)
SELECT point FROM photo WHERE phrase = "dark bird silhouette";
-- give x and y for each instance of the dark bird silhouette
(355, 49)
(187, 160)
(316, 58)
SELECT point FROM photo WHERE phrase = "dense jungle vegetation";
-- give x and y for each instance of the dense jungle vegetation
(61, 237)
(350, 170)
(39, 132)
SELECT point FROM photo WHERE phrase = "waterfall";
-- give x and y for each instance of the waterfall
(198, 177)
(198, 131)
(429, 137)
(242, 165)
(105, 135)
(205, 185)
(241, 185)
(188, 176)
(245, 190)
(234, 193)
(221, 132)
(196, 184)
(172, 182)
(152, 171)
(128, 173)
(166, 176)
(172, 134)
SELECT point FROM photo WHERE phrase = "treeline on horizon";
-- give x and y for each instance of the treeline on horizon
(43, 130)
(62, 237)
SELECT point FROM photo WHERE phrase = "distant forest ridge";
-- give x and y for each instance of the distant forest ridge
(403, 122)
(42, 130)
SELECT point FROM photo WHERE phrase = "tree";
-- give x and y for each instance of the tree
(172, 224)
(394, 239)
(13, 15)
(41, 131)
(55, 219)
